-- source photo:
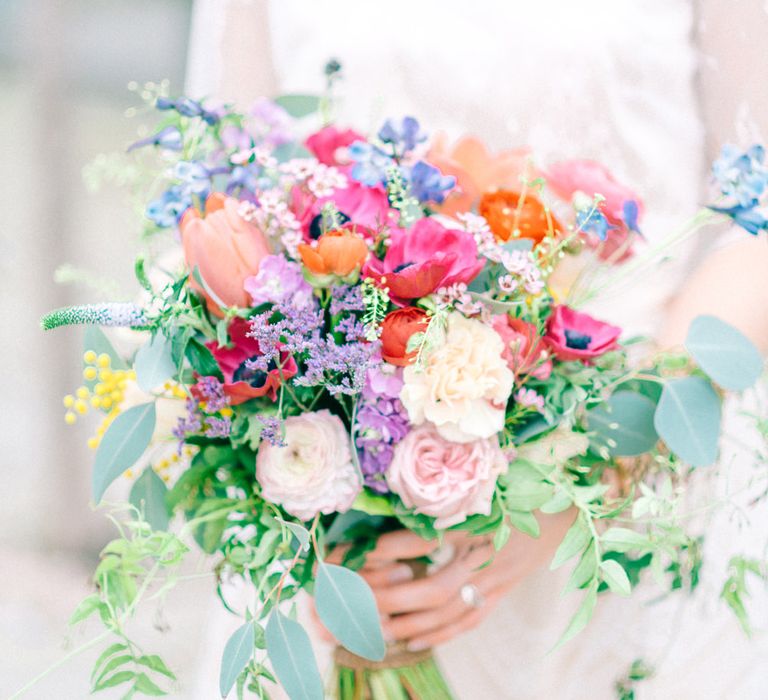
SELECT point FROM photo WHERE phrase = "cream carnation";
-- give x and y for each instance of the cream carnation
(465, 384)
(313, 473)
(447, 480)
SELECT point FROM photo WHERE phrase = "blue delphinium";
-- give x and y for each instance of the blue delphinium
(168, 208)
(168, 138)
(742, 176)
(591, 220)
(428, 184)
(402, 134)
(188, 107)
(370, 164)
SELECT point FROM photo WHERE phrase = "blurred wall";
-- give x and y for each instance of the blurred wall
(64, 67)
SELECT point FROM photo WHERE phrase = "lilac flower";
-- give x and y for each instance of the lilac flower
(168, 138)
(742, 176)
(428, 184)
(370, 164)
(279, 280)
(403, 134)
(167, 210)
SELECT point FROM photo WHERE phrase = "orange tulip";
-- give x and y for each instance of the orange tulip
(505, 215)
(476, 169)
(224, 247)
(337, 253)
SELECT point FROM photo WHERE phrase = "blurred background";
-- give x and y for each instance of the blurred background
(64, 71)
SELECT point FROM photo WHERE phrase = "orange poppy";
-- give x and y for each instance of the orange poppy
(337, 253)
(506, 214)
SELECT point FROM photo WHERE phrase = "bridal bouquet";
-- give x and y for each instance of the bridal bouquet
(341, 335)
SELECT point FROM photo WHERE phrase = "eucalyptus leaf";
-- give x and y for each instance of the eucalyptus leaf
(237, 653)
(346, 606)
(148, 495)
(299, 105)
(299, 532)
(724, 353)
(154, 362)
(293, 661)
(625, 424)
(614, 575)
(123, 443)
(688, 420)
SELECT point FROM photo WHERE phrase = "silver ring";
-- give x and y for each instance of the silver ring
(471, 596)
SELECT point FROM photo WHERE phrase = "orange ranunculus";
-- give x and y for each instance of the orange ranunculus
(500, 209)
(476, 170)
(337, 253)
(396, 330)
(224, 247)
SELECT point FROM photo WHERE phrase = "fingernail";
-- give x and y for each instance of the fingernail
(417, 645)
(400, 574)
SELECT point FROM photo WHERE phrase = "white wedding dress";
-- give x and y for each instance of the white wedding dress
(609, 80)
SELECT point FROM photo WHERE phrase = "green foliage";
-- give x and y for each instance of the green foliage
(727, 356)
(735, 591)
(626, 686)
(122, 445)
(624, 424)
(148, 497)
(154, 362)
(237, 653)
(346, 606)
(299, 105)
(688, 420)
(290, 652)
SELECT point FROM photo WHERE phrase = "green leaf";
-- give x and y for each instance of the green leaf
(614, 575)
(293, 661)
(524, 487)
(299, 105)
(727, 356)
(201, 359)
(525, 522)
(501, 536)
(154, 362)
(575, 542)
(85, 609)
(581, 617)
(95, 339)
(688, 420)
(299, 532)
(625, 424)
(584, 571)
(143, 684)
(122, 444)
(156, 664)
(373, 504)
(557, 504)
(237, 653)
(621, 539)
(140, 271)
(148, 495)
(112, 664)
(117, 679)
(109, 651)
(346, 606)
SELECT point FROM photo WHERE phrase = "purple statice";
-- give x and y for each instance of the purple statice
(380, 423)
(279, 281)
(272, 430)
(217, 427)
(338, 368)
(346, 298)
(352, 328)
(211, 390)
(189, 424)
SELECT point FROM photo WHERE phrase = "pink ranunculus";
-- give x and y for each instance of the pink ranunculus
(423, 259)
(590, 177)
(326, 144)
(313, 472)
(447, 480)
(363, 207)
(225, 249)
(524, 349)
(572, 335)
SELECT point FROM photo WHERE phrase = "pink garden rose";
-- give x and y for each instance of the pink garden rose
(447, 480)
(313, 473)
(423, 259)
(326, 144)
(572, 335)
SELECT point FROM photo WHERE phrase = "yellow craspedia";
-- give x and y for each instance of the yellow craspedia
(69, 401)
(105, 375)
(82, 392)
(106, 402)
(90, 373)
(104, 360)
(89, 357)
(95, 402)
(81, 407)
(69, 418)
